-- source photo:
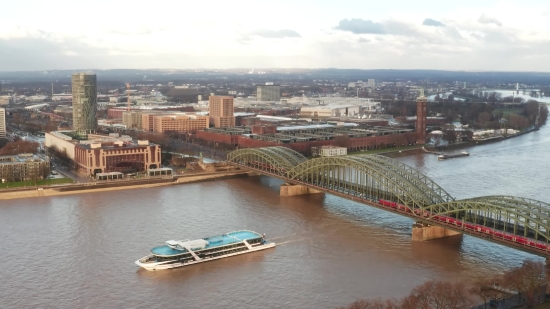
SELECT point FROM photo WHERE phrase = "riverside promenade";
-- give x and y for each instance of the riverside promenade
(122, 184)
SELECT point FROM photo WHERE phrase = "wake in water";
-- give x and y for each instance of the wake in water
(292, 241)
(279, 237)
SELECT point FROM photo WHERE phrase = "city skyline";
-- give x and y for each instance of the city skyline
(493, 36)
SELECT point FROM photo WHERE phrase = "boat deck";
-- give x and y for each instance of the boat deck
(215, 241)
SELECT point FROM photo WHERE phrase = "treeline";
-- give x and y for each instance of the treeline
(478, 115)
(528, 281)
(19, 146)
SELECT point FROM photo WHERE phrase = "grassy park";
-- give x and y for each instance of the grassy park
(39, 183)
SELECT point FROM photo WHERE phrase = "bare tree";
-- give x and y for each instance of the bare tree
(430, 295)
(483, 118)
(534, 281)
(527, 280)
(373, 304)
(441, 295)
(488, 288)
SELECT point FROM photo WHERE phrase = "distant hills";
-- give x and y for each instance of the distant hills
(281, 75)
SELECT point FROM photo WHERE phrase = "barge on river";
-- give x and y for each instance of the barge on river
(178, 253)
(457, 155)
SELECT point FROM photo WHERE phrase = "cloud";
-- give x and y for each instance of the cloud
(432, 22)
(276, 34)
(485, 19)
(360, 26)
(363, 40)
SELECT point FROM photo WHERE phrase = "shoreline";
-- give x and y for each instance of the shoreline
(409, 152)
(84, 188)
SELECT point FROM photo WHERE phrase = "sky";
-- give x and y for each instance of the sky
(210, 34)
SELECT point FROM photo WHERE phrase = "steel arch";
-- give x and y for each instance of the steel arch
(364, 177)
(275, 160)
(372, 177)
(430, 188)
(509, 214)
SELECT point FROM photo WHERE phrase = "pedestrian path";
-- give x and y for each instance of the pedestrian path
(512, 301)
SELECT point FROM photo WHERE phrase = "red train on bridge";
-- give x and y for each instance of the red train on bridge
(445, 219)
(471, 226)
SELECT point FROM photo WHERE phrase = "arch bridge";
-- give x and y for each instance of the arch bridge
(388, 184)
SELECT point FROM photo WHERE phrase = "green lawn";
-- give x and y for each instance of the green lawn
(40, 183)
(375, 151)
(507, 111)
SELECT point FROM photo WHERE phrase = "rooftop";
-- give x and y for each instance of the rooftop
(20, 158)
(214, 241)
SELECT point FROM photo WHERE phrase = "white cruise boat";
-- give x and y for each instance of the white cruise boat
(178, 253)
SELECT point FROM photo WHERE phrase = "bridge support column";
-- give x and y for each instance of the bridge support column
(292, 190)
(422, 231)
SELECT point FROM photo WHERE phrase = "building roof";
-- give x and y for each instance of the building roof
(20, 158)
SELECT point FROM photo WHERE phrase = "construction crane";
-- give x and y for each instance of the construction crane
(128, 93)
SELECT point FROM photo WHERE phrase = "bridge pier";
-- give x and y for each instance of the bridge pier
(423, 231)
(292, 190)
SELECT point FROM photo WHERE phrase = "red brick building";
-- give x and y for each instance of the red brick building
(117, 157)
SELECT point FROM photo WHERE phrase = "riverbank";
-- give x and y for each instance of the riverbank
(118, 185)
(408, 151)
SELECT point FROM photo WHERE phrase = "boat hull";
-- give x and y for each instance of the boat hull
(168, 265)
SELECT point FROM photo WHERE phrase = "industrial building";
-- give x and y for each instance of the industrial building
(25, 166)
(104, 153)
(303, 137)
(268, 92)
(84, 89)
(330, 110)
(221, 111)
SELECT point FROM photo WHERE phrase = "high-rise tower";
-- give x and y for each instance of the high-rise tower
(2, 123)
(421, 115)
(221, 111)
(84, 102)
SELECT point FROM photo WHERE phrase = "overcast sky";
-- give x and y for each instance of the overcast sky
(181, 34)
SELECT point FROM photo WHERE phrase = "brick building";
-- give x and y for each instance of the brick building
(303, 137)
(91, 159)
(104, 153)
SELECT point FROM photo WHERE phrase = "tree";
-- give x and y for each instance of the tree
(483, 118)
(534, 280)
(21, 146)
(527, 280)
(487, 288)
(430, 295)
(441, 295)
(450, 136)
(372, 304)
(543, 114)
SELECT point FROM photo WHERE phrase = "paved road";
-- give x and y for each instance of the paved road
(65, 171)
(512, 301)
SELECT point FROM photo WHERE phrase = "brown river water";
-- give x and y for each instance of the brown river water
(79, 251)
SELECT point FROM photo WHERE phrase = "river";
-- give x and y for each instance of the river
(79, 251)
